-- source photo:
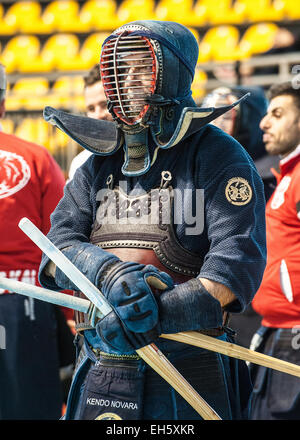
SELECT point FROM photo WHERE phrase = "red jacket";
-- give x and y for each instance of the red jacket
(31, 184)
(278, 298)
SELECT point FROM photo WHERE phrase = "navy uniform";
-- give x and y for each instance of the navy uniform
(186, 203)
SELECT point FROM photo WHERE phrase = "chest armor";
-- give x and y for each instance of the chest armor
(140, 227)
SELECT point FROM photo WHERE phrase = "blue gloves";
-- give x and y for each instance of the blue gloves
(188, 306)
(139, 316)
(185, 307)
(126, 285)
(134, 322)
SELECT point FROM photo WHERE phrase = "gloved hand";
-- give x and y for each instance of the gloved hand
(188, 306)
(114, 334)
(134, 321)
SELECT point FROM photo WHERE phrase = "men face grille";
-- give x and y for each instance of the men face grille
(128, 71)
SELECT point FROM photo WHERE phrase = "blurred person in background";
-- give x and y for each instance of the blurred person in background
(242, 122)
(31, 184)
(277, 395)
(96, 107)
(285, 41)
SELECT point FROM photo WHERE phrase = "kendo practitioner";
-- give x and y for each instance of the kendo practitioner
(167, 219)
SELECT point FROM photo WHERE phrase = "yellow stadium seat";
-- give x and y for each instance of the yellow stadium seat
(175, 10)
(260, 10)
(26, 16)
(198, 85)
(12, 102)
(77, 99)
(7, 125)
(258, 38)
(43, 133)
(7, 27)
(130, 10)
(216, 12)
(101, 15)
(219, 43)
(59, 52)
(91, 48)
(67, 92)
(291, 9)
(62, 16)
(198, 17)
(64, 85)
(35, 130)
(59, 140)
(26, 130)
(20, 52)
(32, 92)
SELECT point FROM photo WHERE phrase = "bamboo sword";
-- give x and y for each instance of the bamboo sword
(192, 337)
(150, 353)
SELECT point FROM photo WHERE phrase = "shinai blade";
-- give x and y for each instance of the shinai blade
(73, 273)
(50, 296)
(150, 353)
(192, 338)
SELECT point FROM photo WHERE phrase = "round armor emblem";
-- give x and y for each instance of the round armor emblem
(238, 191)
(108, 416)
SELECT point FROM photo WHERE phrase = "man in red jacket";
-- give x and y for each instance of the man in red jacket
(276, 395)
(31, 184)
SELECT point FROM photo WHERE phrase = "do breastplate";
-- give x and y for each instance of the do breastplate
(143, 221)
(140, 228)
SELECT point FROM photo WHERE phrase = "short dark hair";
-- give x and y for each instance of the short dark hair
(285, 88)
(93, 76)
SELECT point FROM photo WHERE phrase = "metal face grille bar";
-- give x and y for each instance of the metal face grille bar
(128, 70)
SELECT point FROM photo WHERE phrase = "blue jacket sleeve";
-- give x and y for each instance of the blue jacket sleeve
(235, 219)
(70, 231)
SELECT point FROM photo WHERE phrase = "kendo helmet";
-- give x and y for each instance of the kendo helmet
(147, 69)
